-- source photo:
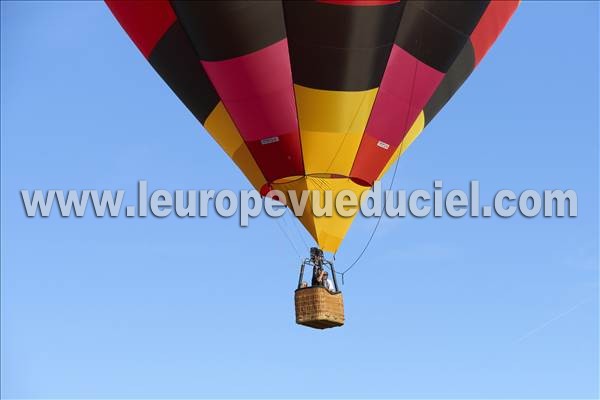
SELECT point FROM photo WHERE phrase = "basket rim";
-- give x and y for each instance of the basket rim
(316, 288)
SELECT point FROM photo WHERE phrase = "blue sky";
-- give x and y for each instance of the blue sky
(191, 308)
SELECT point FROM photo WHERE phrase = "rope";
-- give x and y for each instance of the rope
(376, 225)
(412, 90)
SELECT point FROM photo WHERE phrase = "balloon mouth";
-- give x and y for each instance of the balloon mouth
(362, 182)
(267, 187)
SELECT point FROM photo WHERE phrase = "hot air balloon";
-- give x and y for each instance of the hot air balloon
(314, 95)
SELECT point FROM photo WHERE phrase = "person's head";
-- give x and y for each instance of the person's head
(316, 253)
(325, 274)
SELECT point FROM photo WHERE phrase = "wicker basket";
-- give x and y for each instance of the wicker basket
(318, 308)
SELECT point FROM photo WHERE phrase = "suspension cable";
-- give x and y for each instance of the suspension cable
(294, 222)
(288, 238)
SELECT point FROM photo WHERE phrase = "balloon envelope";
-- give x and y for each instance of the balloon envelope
(317, 95)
